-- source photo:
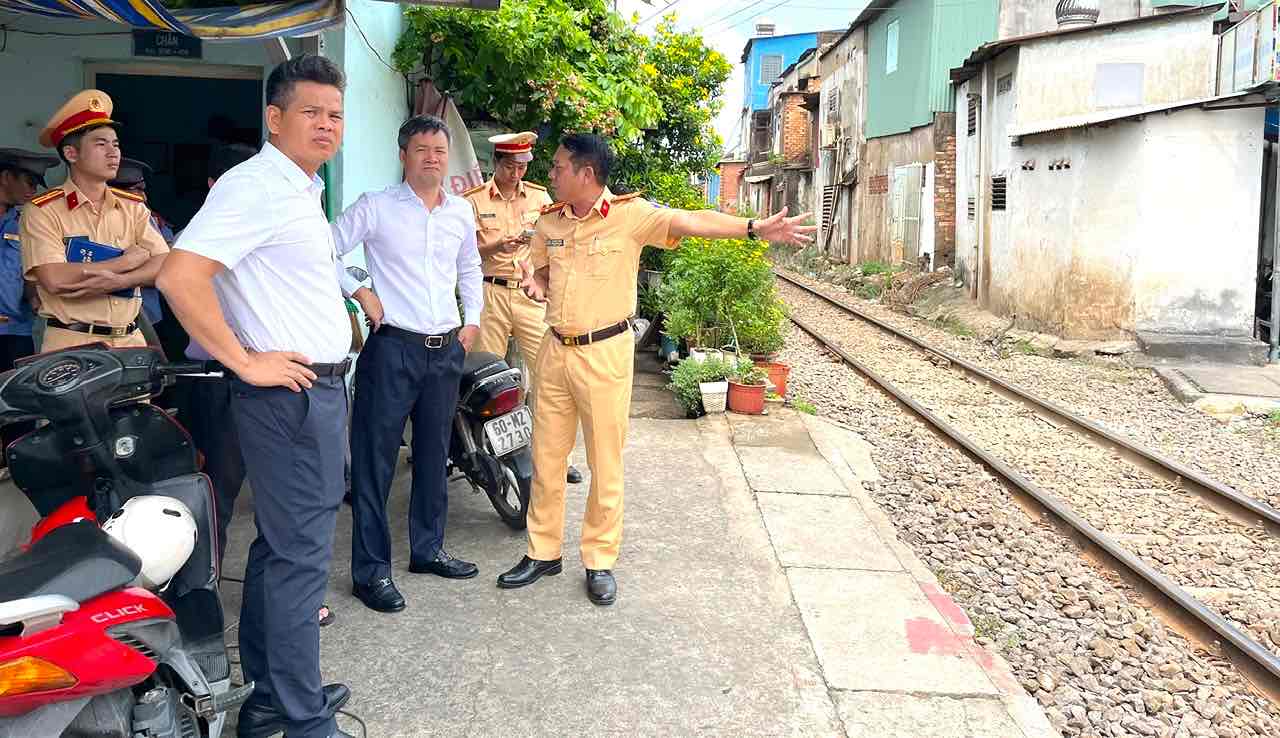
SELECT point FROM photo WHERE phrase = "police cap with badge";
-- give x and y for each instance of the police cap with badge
(518, 146)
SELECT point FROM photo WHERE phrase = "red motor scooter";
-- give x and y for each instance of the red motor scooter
(83, 653)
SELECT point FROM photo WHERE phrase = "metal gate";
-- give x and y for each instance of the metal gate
(904, 222)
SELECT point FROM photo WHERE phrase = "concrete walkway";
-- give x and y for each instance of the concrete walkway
(761, 593)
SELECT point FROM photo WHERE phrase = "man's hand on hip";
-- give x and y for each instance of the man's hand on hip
(371, 304)
(277, 369)
(467, 336)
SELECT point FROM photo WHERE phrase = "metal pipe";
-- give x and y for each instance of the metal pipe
(1273, 330)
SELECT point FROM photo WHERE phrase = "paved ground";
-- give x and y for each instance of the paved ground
(1224, 389)
(762, 593)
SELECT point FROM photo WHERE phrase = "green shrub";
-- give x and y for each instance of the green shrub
(688, 374)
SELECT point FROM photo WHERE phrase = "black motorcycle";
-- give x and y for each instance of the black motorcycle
(492, 434)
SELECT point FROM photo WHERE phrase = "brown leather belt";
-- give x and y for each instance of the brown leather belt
(510, 284)
(598, 334)
(92, 329)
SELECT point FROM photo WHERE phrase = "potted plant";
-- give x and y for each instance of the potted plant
(697, 385)
(746, 389)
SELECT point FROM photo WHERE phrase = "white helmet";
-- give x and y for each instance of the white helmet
(160, 530)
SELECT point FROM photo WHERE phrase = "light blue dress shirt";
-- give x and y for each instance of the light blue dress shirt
(417, 257)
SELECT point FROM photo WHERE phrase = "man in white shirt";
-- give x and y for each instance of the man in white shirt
(254, 280)
(420, 243)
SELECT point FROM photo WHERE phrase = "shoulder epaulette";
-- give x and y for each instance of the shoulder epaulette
(553, 207)
(127, 194)
(535, 186)
(48, 197)
(473, 190)
(624, 198)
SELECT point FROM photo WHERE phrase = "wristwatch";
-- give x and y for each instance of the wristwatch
(751, 229)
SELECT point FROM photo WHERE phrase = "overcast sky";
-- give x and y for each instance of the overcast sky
(727, 24)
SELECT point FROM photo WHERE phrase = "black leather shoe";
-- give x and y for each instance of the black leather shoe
(527, 572)
(601, 588)
(382, 595)
(262, 721)
(444, 565)
(574, 476)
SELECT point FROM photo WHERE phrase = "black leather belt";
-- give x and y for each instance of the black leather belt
(422, 339)
(331, 370)
(503, 282)
(598, 334)
(92, 329)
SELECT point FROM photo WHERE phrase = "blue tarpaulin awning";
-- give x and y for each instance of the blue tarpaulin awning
(267, 20)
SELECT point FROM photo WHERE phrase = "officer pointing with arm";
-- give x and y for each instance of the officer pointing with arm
(586, 252)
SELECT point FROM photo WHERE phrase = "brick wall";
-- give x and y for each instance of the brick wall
(730, 177)
(796, 129)
(944, 191)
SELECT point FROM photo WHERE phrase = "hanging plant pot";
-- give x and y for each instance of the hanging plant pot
(778, 373)
(747, 399)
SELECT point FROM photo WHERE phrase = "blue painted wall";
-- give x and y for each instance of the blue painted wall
(756, 92)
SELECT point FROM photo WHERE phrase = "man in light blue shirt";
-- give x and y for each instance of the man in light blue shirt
(420, 243)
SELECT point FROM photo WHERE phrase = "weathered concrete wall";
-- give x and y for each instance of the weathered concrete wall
(1024, 17)
(1123, 239)
(1060, 76)
(881, 157)
(967, 148)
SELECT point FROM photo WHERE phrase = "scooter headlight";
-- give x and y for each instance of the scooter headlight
(29, 674)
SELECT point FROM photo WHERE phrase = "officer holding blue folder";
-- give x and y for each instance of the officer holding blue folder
(86, 246)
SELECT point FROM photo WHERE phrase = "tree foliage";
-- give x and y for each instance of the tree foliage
(558, 66)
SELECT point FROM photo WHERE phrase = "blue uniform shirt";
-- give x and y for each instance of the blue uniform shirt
(13, 302)
(150, 295)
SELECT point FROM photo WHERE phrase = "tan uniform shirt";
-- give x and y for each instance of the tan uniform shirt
(594, 259)
(498, 217)
(123, 221)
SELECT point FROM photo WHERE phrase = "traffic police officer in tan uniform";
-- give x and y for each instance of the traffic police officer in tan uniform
(506, 209)
(585, 256)
(77, 299)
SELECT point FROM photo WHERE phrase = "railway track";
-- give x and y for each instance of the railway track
(1112, 496)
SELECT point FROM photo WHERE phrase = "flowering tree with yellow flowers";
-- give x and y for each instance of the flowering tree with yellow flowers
(557, 66)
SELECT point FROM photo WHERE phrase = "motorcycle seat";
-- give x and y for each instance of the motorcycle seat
(482, 363)
(78, 560)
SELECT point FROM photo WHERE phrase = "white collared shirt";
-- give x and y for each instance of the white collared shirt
(264, 222)
(416, 257)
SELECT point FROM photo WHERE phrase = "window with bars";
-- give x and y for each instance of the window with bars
(999, 188)
(770, 67)
(1004, 85)
(974, 103)
(971, 207)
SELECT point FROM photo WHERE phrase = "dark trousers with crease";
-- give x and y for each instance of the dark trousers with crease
(204, 409)
(396, 379)
(292, 444)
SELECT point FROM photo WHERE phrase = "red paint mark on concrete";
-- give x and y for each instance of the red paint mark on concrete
(924, 636)
(947, 606)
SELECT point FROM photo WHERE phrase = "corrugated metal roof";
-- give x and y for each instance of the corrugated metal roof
(987, 52)
(758, 178)
(1111, 116)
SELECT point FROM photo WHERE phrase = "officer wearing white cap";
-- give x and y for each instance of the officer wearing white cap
(506, 208)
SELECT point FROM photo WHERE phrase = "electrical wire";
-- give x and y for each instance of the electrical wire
(356, 21)
(664, 10)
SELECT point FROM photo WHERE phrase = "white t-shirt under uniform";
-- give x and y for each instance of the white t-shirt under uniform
(264, 222)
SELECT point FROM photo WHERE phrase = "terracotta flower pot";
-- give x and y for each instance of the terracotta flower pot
(778, 373)
(747, 399)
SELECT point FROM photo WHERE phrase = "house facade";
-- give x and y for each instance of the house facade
(1075, 158)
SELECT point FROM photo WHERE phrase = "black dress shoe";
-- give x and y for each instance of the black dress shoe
(574, 476)
(261, 721)
(382, 595)
(527, 572)
(444, 565)
(601, 588)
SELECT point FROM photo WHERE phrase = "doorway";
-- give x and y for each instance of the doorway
(172, 117)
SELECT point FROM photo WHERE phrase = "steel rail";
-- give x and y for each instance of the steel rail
(1196, 620)
(1231, 502)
